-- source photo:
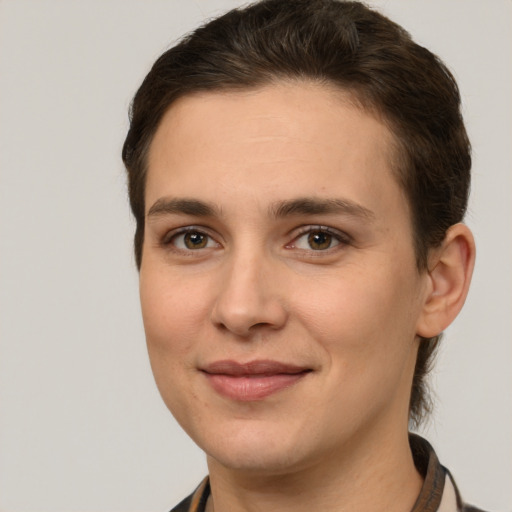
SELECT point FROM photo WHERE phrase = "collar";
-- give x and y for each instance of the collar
(438, 493)
(434, 475)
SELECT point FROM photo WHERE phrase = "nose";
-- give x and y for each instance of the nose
(250, 297)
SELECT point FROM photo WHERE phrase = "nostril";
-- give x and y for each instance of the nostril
(260, 324)
(246, 303)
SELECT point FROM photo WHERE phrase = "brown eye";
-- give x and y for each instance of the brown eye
(195, 240)
(319, 240)
(192, 240)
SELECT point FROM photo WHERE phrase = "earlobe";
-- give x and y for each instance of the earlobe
(449, 275)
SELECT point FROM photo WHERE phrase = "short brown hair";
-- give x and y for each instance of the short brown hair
(338, 43)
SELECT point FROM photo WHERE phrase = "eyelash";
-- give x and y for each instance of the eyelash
(169, 240)
(341, 238)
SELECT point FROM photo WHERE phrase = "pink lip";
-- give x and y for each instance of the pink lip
(254, 380)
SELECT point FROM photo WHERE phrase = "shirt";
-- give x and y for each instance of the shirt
(438, 493)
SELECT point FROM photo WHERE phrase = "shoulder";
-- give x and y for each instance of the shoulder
(183, 506)
(439, 492)
(196, 502)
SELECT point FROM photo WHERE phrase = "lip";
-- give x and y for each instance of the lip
(254, 380)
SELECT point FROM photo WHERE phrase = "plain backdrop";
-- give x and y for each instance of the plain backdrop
(82, 427)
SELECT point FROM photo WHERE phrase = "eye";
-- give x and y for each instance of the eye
(319, 239)
(191, 240)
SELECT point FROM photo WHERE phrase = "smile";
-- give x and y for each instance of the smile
(252, 381)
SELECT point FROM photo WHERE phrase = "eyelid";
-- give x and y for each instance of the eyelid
(342, 237)
(169, 236)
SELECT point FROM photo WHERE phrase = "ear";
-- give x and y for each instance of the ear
(450, 268)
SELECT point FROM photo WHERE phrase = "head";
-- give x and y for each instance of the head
(344, 46)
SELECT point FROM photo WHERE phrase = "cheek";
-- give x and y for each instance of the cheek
(360, 317)
(366, 332)
(173, 320)
(173, 315)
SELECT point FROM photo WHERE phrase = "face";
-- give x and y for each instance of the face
(279, 288)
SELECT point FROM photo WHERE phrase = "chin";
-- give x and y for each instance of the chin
(253, 459)
(252, 449)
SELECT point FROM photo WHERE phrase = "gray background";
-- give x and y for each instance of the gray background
(82, 427)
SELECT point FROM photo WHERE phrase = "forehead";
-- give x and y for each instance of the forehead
(271, 140)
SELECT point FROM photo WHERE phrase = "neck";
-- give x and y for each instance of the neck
(367, 477)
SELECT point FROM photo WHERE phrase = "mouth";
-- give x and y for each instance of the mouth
(254, 380)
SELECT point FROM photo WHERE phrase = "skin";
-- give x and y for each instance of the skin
(255, 288)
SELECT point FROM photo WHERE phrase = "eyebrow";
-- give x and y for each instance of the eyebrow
(316, 206)
(280, 209)
(194, 207)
